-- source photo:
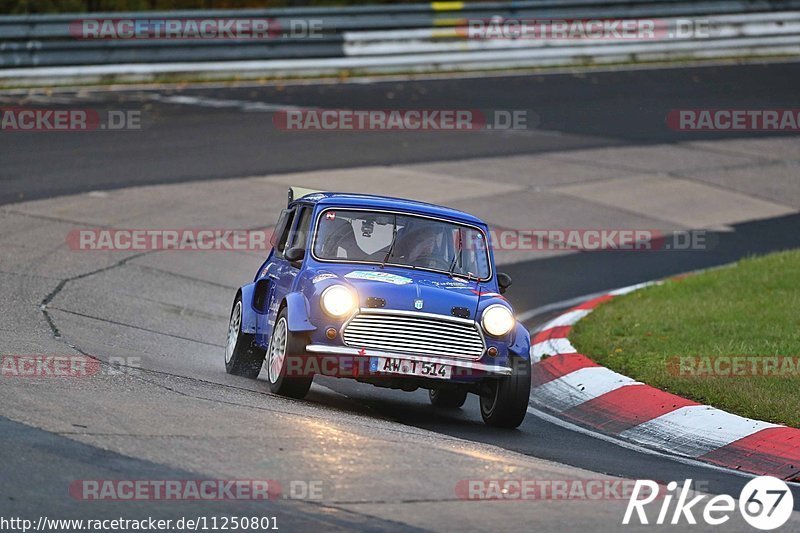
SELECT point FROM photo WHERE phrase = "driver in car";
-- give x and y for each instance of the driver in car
(425, 246)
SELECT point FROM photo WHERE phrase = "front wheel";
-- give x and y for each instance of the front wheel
(505, 403)
(285, 357)
(242, 356)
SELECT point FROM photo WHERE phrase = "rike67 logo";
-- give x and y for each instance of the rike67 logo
(766, 503)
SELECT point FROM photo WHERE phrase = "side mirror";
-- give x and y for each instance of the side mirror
(295, 254)
(504, 281)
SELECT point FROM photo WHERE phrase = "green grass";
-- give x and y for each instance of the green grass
(749, 309)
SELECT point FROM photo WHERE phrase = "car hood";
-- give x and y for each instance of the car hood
(412, 290)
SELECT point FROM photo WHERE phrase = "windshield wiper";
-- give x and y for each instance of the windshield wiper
(391, 246)
(457, 256)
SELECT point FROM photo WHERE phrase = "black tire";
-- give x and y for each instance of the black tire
(294, 348)
(448, 398)
(242, 356)
(506, 403)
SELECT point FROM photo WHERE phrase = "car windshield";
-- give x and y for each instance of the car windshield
(401, 240)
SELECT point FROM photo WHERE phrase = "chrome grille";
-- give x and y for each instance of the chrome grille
(414, 333)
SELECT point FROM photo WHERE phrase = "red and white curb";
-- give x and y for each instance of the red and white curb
(579, 390)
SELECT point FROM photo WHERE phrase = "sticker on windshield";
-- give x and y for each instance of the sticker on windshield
(378, 276)
(330, 215)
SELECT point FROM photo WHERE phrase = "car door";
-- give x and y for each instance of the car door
(283, 273)
(268, 277)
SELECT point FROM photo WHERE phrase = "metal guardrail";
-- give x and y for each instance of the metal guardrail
(396, 37)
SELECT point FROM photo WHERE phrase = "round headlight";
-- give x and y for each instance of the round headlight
(338, 300)
(497, 320)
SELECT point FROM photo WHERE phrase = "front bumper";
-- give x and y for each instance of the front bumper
(469, 366)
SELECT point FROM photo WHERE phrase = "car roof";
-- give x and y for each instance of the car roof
(337, 199)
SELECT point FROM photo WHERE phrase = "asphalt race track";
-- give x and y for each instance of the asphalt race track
(219, 135)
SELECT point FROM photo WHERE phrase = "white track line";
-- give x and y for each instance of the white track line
(219, 103)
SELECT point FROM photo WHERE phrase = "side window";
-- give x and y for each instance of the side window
(300, 234)
(282, 228)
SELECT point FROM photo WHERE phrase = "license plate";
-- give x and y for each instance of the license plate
(391, 365)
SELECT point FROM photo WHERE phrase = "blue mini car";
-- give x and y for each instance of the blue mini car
(392, 292)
